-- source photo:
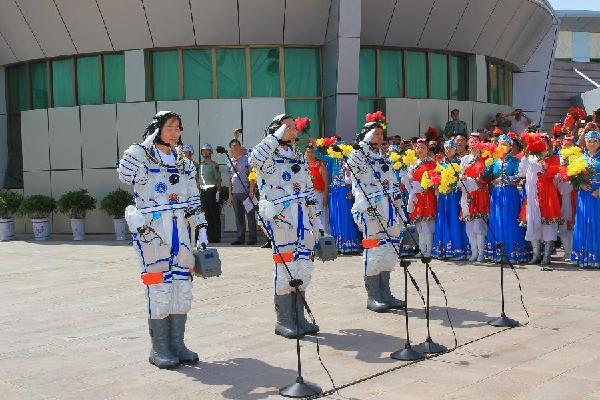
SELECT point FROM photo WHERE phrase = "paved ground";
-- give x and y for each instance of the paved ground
(73, 327)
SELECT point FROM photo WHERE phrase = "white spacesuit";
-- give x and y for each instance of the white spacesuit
(166, 202)
(373, 184)
(291, 214)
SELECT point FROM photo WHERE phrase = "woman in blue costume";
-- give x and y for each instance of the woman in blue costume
(505, 205)
(450, 239)
(586, 233)
(341, 224)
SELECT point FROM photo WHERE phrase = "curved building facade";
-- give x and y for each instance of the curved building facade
(82, 78)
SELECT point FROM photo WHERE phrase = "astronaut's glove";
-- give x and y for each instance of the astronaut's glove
(149, 141)
(368, 137)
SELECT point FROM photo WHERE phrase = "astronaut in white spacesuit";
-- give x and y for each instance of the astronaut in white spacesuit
(374, 183)
(166, 203)
(291, 214)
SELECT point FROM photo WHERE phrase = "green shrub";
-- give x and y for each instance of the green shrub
(115, 202)
(76, 203)
(37, 206)
(9, 203)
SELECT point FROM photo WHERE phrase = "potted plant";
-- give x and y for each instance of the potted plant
(9, 205)
(38, 207)
(114, 204)
(76, 204)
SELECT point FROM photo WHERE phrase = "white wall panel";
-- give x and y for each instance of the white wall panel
(99, 135)
(126, 24)
(132, 119)
(514, 29)
(402, 115)
(218, 120)
(432, 113)
(261, 21)
(442, 23)
(465, 109)
(6, 55)
(215, 22)
(471, 24)
(62, 182)
(16, 32)
(85, 25)
(188, 109)
(258, 113)
(35, 140)
(375, 21)
(36, 182)
(498, 27)
(170, 22)
(135, 82)
(306, 21)
(529, 88)
(99, 182)
(45, 22)
(65, 138)
(533, 34)
(407, 24)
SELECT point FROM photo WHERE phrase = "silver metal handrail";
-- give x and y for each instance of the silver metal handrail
(587, 78)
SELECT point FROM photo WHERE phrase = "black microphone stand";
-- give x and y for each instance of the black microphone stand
(408, 353)
(503, 320)
(299, 388)
(429, 346)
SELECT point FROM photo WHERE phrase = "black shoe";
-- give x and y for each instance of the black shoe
(237, 243)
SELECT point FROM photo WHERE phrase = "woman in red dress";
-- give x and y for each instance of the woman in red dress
(422, 202)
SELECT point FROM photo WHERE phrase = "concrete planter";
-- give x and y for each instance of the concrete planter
(41, 228)
(7, 229)
(121, 229)
(78, 228)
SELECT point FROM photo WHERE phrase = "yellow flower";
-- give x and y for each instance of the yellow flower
(443, 188)
(409, 158)
(346, 149)
(334, 153)
(320, 142)
(394, 157)
(439, 168)
(426, 183)
(500, 152)
(252, 175)
(397, 165)
(570, 152)
(489, 162)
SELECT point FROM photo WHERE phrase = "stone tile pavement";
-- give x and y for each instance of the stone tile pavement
(73, 327)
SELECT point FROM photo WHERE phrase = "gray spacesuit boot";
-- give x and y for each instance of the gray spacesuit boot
(375, 301)
(386, 293)
(306, 327)
(177, 333)
(161, 355)
(285, 325)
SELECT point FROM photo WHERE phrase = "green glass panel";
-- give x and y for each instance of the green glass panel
(364, 106)
(39, 85)
(502, 86)
(302, 72)
(391, 78)
(165, 75)
(265, 72)
(438, 70)
(114, 78)
(416, 73)
(458, 78)
(310, 109)
(493, 83)
(88, 80)
(231, 73)
(366, 73)
(14, 166)
(197, 74)
(62, 83)
(18, 93)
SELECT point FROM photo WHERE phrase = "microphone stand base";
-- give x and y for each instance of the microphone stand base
(407, 354)
(300, 389)
(504, 322)
(431, 347)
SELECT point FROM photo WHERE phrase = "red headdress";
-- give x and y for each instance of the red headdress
(302, 124)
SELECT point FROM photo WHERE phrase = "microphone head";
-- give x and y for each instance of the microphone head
(221, 150)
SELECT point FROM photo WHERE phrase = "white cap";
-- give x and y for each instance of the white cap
(206, 146)
(188, 147)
